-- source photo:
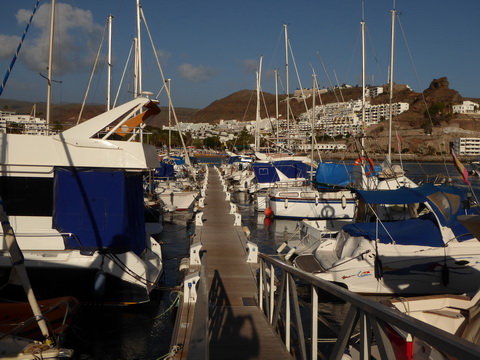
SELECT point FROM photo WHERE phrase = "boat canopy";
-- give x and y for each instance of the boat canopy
(293, 169)
(265, 173)
(340, 174)
(334, 174)
(422, 232)
(446, 201)
(165, 170)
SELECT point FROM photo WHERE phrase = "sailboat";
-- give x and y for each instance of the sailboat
(76, 203)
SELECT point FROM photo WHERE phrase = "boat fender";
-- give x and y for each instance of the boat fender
(268, 212)
(286, 203)
(100, 284)
(344, 202)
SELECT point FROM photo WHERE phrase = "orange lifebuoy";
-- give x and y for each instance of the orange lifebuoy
(361, 160)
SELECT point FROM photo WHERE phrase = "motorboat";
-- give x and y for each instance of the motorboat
(403, 241)
(76, 203)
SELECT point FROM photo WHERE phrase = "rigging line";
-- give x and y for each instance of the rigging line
(12, 63)
(375, 57)
(328, 76)
(92, 73)
(298, 76)
(167, 90)
(415, 71)
(123, 76)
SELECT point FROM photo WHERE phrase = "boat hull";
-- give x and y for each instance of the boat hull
(328, 205)
(414, 271)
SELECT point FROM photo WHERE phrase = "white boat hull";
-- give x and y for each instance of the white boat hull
(405, 269)
(327, 205)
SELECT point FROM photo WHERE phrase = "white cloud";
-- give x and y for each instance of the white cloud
(76, 40)
(163, 56)
(250, 66)
(9, 46)
(196, 73)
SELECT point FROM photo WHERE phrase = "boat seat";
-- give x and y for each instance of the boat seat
(308, 263)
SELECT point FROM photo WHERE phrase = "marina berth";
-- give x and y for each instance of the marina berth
(76, 204)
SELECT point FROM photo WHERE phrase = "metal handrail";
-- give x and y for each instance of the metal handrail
(371, 317)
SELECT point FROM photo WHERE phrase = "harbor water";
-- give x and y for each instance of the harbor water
(144, 331)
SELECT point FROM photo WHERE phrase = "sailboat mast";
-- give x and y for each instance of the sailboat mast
(135, 68)
(139, 50)
(287, 84)
(169, 119)
(109, 60)
(50, 61)
(276, 104)
(314, 92)
(257, 122)
(392, 53)
(363, 85)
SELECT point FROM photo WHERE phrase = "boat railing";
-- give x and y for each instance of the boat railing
(366, 326)
(292, 183)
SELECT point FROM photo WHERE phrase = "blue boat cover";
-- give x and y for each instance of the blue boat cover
(165, 171)
(446, 201)
(293, 169)
(103, 209)
(422, 232)
(334, 174)
(265, 173)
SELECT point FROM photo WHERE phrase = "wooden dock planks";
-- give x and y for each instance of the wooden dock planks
(237, 328)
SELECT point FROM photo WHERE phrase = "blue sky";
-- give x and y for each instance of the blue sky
(210, 49)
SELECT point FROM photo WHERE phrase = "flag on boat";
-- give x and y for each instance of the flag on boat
(460, 168)
(399, 142)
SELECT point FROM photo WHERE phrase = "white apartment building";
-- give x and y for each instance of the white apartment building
(467, 146)
(29, 125)
(324, 147)
(467, 107)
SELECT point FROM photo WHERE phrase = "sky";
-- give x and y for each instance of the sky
(212, 48)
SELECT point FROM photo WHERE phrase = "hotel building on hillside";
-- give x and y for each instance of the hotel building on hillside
(467, 146)
(467, 107)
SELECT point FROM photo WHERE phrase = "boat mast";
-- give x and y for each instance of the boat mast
(109, 60)
(276, 105)
(257, 122)
(135, 68)
(169, 119)
(139, 51)
(287, 85)
(50, 60)
(314, 92)
(392, 53)
(362, 23)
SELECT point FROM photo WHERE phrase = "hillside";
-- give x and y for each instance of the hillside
(420, 133)
(67, 114)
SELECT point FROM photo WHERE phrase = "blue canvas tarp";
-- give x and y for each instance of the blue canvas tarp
(164, 171)
(103, 209)
(334, 174)
(293, 169)
(445, 201)
(422, 232)
(265, 173)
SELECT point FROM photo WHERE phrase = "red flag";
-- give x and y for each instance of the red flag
(460, 168)
(399, 142)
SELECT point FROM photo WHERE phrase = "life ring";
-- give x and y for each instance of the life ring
(363, 159)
